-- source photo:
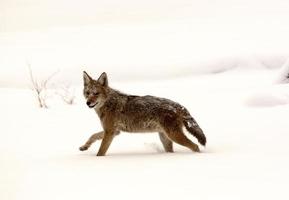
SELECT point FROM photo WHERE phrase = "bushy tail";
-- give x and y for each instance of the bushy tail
(193, 128)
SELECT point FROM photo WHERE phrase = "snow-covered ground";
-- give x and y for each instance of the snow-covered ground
(222, 60)
(240, 111)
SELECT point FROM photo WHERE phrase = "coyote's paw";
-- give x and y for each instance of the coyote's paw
(196, 149)
(83, 148)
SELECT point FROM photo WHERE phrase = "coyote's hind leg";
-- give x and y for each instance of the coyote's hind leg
(172, 127)
(180, 138)
(167, 143)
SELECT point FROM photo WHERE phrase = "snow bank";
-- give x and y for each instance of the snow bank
(246, 156)
(283, 75)
(268, 100)
(143, 40)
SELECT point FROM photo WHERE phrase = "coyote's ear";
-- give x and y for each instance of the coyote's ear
(103, 79)
(86, 78)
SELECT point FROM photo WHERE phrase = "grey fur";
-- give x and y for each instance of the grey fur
(121, 112)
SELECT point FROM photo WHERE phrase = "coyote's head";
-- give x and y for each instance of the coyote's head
(95, 90)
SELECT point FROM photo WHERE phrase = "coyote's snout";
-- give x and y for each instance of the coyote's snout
(121, 112)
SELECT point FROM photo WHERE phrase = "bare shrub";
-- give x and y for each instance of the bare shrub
(67, 93)
(40, 87)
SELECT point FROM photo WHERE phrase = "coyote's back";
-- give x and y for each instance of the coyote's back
(121, 112)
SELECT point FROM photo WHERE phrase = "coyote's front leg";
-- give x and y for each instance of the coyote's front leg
(92, 139)
(105, 143)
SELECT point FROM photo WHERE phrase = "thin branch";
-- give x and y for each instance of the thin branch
(67, 95)
(44, 83)
(40, 88)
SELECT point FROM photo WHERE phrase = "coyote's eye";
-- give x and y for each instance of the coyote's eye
(96, 93)
(87, 93)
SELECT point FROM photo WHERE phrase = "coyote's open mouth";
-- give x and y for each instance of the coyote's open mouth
(91, 106)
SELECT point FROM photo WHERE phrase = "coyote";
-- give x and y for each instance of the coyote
(121, 112)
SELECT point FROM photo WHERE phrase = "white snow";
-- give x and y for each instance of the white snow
(246, 156)
(283, 75)
(139, 40)
(221, 59)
